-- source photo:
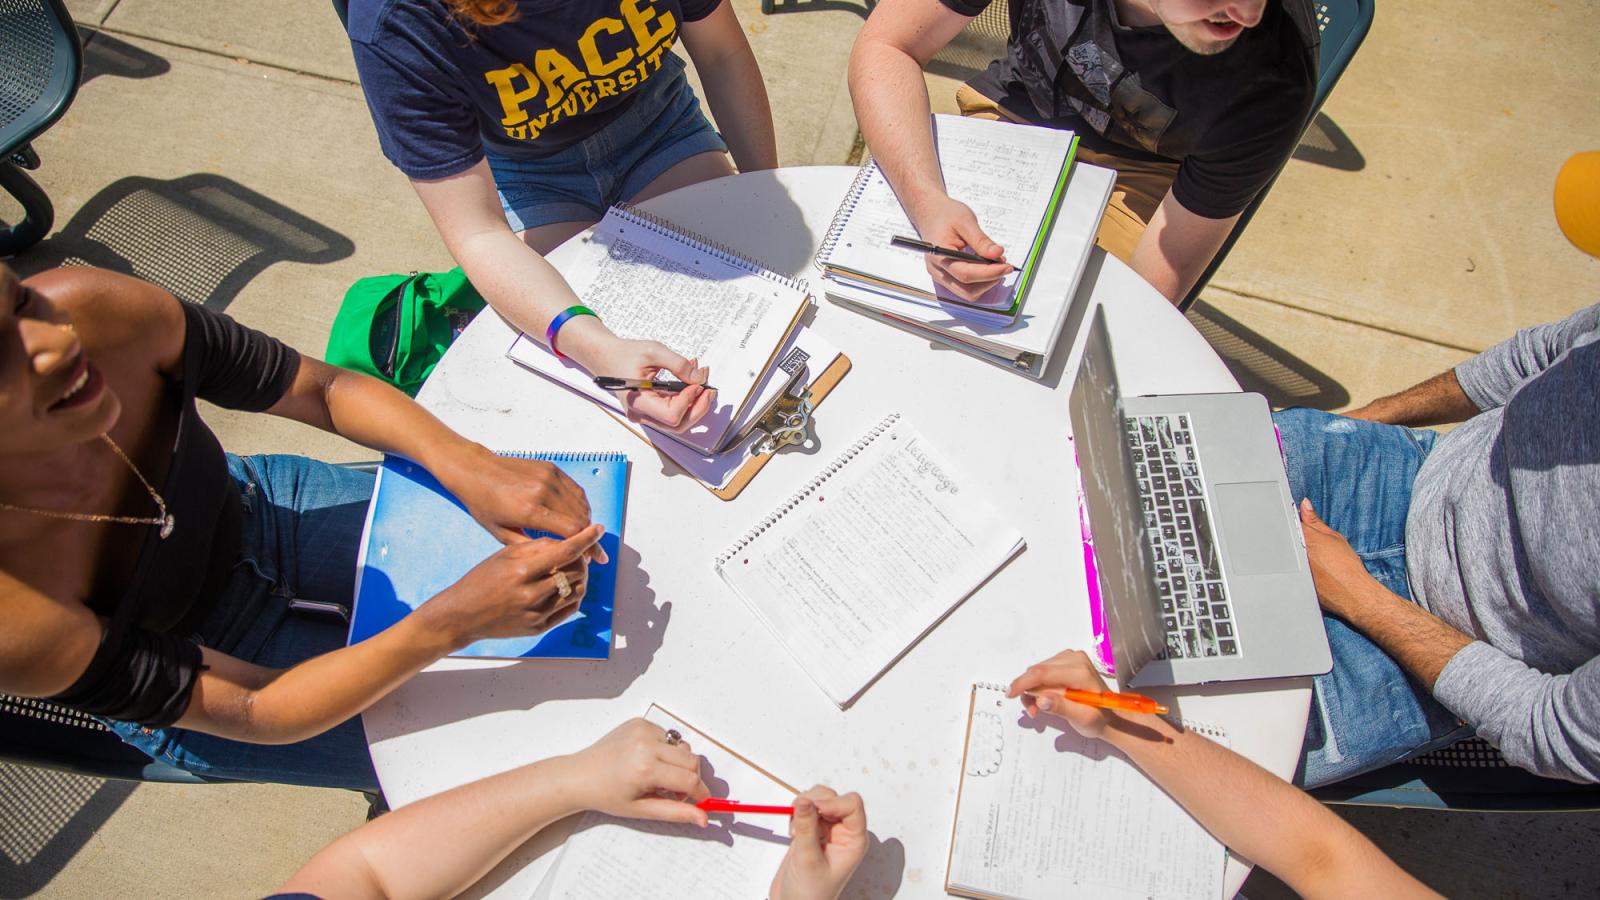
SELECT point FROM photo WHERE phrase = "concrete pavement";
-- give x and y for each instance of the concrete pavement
(225, 151)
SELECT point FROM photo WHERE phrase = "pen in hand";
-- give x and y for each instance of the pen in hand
(1137, 703)
(610, 383)
(901, 240)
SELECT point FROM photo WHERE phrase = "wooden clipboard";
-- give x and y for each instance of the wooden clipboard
(816, 391)
(700, 738)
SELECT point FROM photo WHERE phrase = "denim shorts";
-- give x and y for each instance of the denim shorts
(1367, 712)
(302, 526)
(662, 127)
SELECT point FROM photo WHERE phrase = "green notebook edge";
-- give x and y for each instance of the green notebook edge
(1025, 280)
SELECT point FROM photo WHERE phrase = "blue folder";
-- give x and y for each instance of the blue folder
(421, 540)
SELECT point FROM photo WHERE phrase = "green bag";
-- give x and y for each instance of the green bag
(397, 327)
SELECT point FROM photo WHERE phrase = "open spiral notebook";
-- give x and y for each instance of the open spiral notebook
(648, 279)
(854, 568)
(1044, 812)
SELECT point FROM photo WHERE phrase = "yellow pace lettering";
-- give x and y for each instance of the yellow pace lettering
(589, 46)
(557, 72)
(639, 23)
(511, 98)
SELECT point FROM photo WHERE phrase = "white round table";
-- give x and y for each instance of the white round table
(684, 640)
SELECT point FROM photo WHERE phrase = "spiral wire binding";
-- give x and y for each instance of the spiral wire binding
(799, 497)
(551, 456)
(718, 250)
(841, 216)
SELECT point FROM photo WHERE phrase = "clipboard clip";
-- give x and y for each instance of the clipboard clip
(788, 423)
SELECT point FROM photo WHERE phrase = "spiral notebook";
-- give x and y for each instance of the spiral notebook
(1044, 812)
(1012, 176)
(650, 280)
(854, 568)
(420, 540)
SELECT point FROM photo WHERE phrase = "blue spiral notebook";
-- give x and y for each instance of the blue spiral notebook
(421, 540)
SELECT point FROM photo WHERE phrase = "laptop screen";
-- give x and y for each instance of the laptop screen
(1111, 495)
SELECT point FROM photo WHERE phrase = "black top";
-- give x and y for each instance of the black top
(1229, 119)
(145, 668)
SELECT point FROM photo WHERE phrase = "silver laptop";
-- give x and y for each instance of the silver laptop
(1202, 565)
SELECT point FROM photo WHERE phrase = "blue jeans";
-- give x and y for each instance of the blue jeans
(302, 527)
(1367, 712)
(662, 127)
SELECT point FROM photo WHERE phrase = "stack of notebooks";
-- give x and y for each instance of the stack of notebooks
(649, 280)
(1029, 196)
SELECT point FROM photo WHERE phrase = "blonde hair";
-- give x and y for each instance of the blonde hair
(484, 13)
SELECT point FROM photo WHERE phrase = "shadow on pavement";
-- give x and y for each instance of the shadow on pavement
(203, 237)
(1326, 144)
(1264, 367)
(106, 55)
(46, 817)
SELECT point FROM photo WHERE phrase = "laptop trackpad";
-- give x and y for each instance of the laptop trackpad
(1253, 520)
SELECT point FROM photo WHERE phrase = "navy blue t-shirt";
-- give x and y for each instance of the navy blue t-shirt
(441, 89)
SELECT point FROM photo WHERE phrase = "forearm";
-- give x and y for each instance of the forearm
(1419, 641)
(1437, 401)
(236, 700)
(738, 101)
(401, 855)
(1260, 816)
(891, 104)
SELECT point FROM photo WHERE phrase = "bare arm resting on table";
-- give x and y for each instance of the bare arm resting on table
(891, 103)
(400, 855)
(528, 292)
(1260, 816)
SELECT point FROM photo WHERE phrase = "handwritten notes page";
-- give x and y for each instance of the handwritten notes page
(734, 858)
(1005, 172)
(868, 557)
(646, 281)
(1045, 813)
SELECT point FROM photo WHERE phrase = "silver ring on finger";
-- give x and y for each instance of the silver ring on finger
(673, 737)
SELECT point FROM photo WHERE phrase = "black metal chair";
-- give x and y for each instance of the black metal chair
(41, 63)
(1467, 775)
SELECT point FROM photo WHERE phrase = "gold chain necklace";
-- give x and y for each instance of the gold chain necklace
(165, 519)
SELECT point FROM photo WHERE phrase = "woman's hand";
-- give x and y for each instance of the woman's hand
(827, 841)
(506, 495)
(626, 772)
(1068, 669)
(950, 223)
(515, 592)
(602, 353)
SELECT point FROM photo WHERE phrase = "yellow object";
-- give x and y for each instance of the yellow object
(1578, 201)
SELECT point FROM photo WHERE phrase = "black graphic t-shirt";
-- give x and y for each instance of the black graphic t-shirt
(1229, 119)
(440, 90)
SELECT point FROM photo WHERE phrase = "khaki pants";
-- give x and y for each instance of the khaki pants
(1141, 185)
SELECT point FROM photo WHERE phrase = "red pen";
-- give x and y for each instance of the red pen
(718, 805)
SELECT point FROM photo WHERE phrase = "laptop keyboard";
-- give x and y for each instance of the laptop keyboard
(1195, 611)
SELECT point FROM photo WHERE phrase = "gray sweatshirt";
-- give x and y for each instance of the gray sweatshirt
(1503, 542)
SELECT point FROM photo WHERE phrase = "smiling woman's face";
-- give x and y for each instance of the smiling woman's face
(51, 395)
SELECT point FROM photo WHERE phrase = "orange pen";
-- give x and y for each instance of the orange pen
(1138, 703)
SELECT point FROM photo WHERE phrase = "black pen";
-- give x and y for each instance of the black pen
(901, 240)
(609, 383)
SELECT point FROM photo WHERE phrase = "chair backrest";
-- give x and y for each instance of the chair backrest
(1467, 775)
(41, 63)
(1344, 25)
